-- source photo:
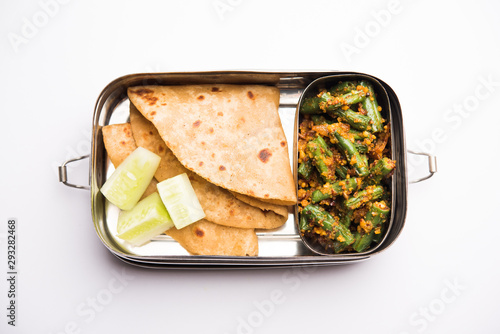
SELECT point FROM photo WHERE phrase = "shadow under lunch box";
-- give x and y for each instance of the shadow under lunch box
(281, 247)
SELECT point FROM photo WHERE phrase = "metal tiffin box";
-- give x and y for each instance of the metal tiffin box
(281, 247)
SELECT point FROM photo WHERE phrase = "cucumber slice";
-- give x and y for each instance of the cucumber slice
(146, 220)
(131, 178)
(179, 198)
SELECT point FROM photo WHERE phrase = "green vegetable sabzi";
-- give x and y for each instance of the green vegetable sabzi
(345, 168)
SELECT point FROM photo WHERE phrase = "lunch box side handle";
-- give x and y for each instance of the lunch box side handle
(432, 166)
(63, 173)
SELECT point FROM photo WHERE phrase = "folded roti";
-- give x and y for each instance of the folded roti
(202, 237)
(206, 238)
(231, 135)
(265, 206)
(220, 206)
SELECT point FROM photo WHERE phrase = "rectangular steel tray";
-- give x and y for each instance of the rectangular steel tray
(277, 248)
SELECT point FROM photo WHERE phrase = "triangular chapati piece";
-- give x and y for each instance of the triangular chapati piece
(231, 135)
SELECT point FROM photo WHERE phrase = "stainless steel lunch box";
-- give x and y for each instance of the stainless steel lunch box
(282, 247)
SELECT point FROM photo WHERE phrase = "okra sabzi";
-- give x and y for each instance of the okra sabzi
(344, 168)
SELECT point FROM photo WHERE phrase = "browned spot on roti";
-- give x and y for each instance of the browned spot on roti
(264, 155)
(151, 132)
(199, 232)
(231, 212)
(222, 168)
(220, 113)
(123, 142)
(161, 148)
(164, 104)
(203, 143)
(142, 91)
(283, 144)
(250, 95)
(242, 119)
(249, 217)
(152, 100)
(201, 97)
(197, 123)
(211, 130)
(145, 94)
(213, 155)
(215, 89)
(266, 195)
(153, 113)
(200, 163)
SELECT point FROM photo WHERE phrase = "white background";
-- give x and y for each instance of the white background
(440, 276)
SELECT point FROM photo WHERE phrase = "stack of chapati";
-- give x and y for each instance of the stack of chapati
(229, 141)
